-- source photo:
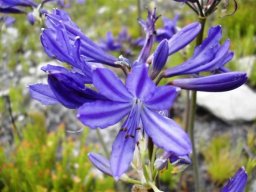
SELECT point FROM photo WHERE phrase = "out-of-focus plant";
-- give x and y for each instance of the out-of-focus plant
(219, 156)
(44, 161)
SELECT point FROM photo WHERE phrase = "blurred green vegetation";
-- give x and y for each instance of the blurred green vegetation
(224, 156)
(43, 161)
(219, 156)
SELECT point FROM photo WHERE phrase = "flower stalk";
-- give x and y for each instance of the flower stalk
(191, 118)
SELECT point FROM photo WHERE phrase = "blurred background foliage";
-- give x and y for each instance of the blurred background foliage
(37, 158)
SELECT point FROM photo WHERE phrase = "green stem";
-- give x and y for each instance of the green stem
(103, 144)
(192, 113)
(187, 110)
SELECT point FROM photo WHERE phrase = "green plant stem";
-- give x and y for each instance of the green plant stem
(15, 130)
(192, 113)
(103, 144)
(187, 110)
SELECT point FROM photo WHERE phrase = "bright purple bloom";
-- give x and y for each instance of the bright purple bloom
(237, 183)
(139, 100)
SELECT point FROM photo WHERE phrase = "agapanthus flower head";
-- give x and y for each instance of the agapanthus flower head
(138, 100)
(237, 183)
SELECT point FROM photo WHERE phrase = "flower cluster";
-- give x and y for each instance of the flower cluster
(102, 99)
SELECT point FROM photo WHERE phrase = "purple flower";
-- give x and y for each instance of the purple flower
(90, 50)
(213, 83)
(65, 87)
(149, 28)
(8, 21)
(122, 43)
(210, 56)
(110, 43)
(237, 183)
(139, 101)
(57, 45)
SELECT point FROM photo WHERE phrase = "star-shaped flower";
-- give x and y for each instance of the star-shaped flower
(139, 101)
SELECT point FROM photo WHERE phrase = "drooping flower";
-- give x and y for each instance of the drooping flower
(237, 183)
(139, 101)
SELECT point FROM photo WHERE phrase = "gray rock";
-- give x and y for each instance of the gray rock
(246, 64)
(235, 105)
